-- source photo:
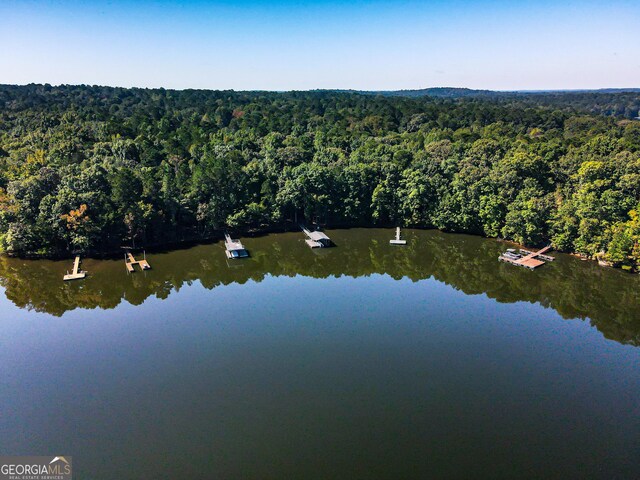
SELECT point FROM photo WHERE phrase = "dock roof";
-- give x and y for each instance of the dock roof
(318, 236)
(234, 245)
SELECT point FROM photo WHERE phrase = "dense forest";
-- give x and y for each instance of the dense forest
(89, 169)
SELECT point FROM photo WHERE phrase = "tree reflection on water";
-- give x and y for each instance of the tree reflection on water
(610, 299)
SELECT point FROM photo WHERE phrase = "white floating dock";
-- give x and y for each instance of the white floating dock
(397, 240)
(76, 274)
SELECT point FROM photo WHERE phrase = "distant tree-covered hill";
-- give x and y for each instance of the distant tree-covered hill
(89, 168)
(623, 102)
(439, 92)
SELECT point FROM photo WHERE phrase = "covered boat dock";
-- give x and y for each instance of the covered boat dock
(234, 248)
(317, 239)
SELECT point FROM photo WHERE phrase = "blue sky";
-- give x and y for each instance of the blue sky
(286, 44)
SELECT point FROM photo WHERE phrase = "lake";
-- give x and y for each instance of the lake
(431, 360)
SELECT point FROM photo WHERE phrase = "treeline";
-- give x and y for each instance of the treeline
(93, 168)
(623, 103)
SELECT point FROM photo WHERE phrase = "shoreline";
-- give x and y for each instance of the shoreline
(219, 236)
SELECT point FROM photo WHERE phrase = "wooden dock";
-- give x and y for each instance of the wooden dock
(526, 258)
(235, 249)
(316, 239)
(398, 240)
(130, 261)
(76, 274)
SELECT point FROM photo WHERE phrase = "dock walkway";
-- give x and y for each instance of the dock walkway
(398, 240)
(130, 261)
(76, 274)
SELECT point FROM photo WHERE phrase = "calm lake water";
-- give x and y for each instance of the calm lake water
(366, 361)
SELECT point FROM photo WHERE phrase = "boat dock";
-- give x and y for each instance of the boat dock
(76, 274)
(316, 239)
(235, 249)
(130, 261)
(397, 240)
(526, 258)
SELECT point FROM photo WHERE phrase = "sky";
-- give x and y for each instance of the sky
(302, 45)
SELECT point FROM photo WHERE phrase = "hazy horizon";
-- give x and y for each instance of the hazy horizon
(290, 45)
(375, 90)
